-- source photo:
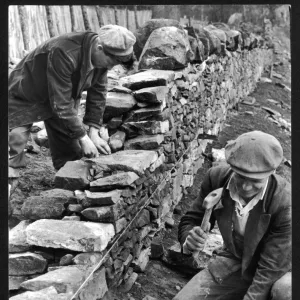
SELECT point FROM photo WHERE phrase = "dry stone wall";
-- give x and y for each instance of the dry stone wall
(104, 212)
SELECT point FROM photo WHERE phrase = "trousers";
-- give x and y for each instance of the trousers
(62, 147)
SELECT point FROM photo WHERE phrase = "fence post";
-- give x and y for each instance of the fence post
(99, 16)
(24, 25)
(50, 20)
(126, 18)
(87, 25)
(135, 17)
(73, 22)
(116, 15)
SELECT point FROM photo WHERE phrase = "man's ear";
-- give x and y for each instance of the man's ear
(100, 47)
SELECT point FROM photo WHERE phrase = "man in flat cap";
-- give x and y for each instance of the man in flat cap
(47, 84)
(254, 218)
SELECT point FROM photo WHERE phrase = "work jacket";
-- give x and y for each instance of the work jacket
(267, 239)
(50, 79)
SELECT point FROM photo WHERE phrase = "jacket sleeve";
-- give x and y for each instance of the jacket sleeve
(59, 71)
(194, 215)
(275, 257)
(96, 99)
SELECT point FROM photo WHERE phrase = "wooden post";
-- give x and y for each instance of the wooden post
(50, 20)
(135, 17)
(72, 14)
(116, 15)
(24, 25)
(126, 18)
(99, 16)
(86, 22)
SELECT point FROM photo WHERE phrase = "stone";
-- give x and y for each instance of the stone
(104, 213)
(147, 297)
(151, 95)
(153, 113)
(71, 218)
(146, 142)
(128, 160)
(120, 89)
(148, 78)
(271, 111)
(72, 235)
(127, 285)
(116, 141)
(49, 293)
(114, 123)
(13, 173)
(167, 48)
(157, 249)
(74, 175)
(66, 260)
(17, 238)
(158, 163)
(26, 263)
(41, 138)
(144, 31)
(75, 208)
(120, 224)
(119, 180)
(88, 259)
(14, 282)
(143, 219)
(143, 232)
(101, 198)
(50, 204)
(117, 104)
(134, 129)
(139, 265)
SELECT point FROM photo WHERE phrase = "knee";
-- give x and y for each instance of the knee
(282, 288)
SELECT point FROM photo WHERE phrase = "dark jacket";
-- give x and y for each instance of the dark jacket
(49, 82)
(267, 239)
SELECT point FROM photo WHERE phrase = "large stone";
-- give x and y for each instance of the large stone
(148, 78)
(148, 113)
(73, 235)
(143, 32)
(116, 141)
(134, 129)
(167, 48)
(14, 282)
(146, 142)
(17, 238)
(104, 213)
(26, 263)
(48, 293)
(101, 198)
(120, 180)
(128, 160)
(151, 95)
(88, 259)
(74, 175)
(139, 265)
(203, 36)
(50, 204)
(117, 104)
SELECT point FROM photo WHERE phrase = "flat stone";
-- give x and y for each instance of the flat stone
(152, 95)
(74, 175)
(71, 218)
(134, 129)
(26, 263)
(14, 282)
(129, 160)
(66, 260)
(155, 113)
(104, 213)
(75, 208)
(146, 142)
(49, 293)
(115, 181)
(117, 104)
(116, 141)
(17, 238)
(265, 79)
(139, 265)
(73, 235)
(101, 198)
(88, 259)
(120, 89)
(50, 204)
(147, 78)
(271, 111)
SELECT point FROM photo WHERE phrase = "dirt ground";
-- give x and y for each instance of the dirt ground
(158, 280)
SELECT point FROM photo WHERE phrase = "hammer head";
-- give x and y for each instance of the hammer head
(212, 198)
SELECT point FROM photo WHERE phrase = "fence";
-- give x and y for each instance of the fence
(30, 25)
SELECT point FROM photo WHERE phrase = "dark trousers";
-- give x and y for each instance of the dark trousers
(62, 147)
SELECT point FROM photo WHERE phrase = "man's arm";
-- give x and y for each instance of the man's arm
(275, 257)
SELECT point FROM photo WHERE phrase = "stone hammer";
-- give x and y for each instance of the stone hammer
(208, 203)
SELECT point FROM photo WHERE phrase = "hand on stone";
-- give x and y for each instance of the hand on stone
(195, 240)
(88, 147)
(100, 143)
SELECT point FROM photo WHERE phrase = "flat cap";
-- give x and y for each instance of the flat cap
(117, 40)
(254, 154)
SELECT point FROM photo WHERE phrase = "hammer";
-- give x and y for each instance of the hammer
(208, 203)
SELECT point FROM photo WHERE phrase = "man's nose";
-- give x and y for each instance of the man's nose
(247, 186)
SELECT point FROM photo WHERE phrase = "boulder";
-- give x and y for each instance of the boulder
(146, 142)
(128, 160)
(100, 198)
(148, 78)
(167, 48)
(74, 175)
(72, 235)
(17, 238)
(115, 181)
(116, 141)
(117, 104)
(143, 32)
(26, 263)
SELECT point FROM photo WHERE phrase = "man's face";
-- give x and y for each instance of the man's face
(101, 59)
(248, 187)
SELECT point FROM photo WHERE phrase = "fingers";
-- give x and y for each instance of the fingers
(102, 150)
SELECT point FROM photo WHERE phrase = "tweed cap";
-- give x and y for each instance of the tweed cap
(117, 40)
(254, 154)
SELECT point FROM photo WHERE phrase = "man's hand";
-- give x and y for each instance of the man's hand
(195, 241)
(88, 147)
(100, 143)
